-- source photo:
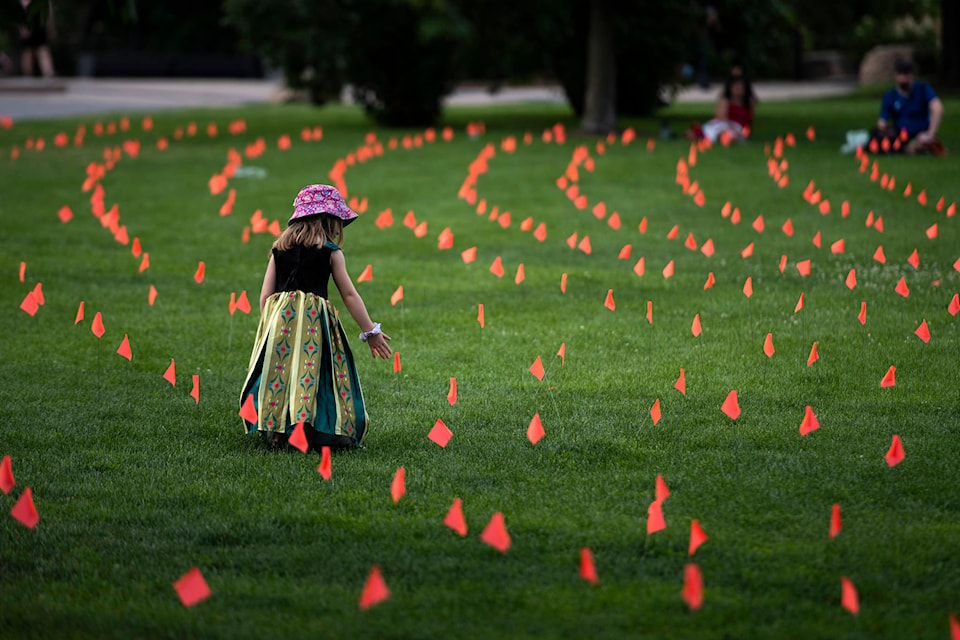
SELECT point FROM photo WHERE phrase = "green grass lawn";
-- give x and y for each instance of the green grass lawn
(135, 484)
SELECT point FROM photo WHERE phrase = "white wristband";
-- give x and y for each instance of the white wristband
(373, 332)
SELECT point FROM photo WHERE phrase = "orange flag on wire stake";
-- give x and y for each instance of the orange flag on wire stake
(170, 375)
(192, 588)
(298, 439)
(242, 303)
(851, 280)
(809, 422)
(692, 592)
(768, 349)
(454, 518)
(201, 269)
(681, 383)
(588, 571)
(535, 429)
(367, 274)
(537, 369)
(895, 453)
(480, 315)
(731, 406)
(562, 352)
(195, 392)
(835, 523)
(375, 589)
(396, 362)
(495, 534)
(440, 434)
(609, 303)
(452, 394)
(563, 283)
(124, 348)
(848, 596)
(397, 296)
(655, 521)
(695, 327)
(748, 287)
(954, 306)
(97, 326)
(889, 378)
(655, 412)
(799, 306)
(29, 304)
(7, 482)
(814, 355)
(398, 487)
(326, 468)
(24, 510)
(248, 411)
(902, 288)
(923, 332)
(497, 267)
(697, 537)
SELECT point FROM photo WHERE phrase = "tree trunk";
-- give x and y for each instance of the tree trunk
(950, 29)
(600, 108)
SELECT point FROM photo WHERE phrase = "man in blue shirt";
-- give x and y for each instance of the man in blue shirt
(911, 107)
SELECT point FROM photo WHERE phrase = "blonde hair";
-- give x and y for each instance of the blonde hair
(311, 232)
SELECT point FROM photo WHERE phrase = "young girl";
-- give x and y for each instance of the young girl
(301, 368)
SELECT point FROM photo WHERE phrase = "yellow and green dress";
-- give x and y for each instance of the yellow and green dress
(301, 368)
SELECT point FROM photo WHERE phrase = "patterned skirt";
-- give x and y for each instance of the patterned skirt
(302, 370)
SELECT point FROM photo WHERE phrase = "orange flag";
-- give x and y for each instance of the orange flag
(902, 288)
(695, 328)
(809, 422)
(195, 392)
(922, 197)
(124, 348)
(497, 267)
(537, 369)
(758, 224)
(690, 242)
(29, 304)
(889, 378)
(6, 475)
(170, 375)
(851, 280)
(640, 267)
(655, 412)
(811, 134)
(748, 287)
(803, 267)
(469, 255)
(768, 349)
(783, 263)
(878, 225)
(672, 234)
(668, 271)
(396, 362)
(585, 245)
(697, 537)
(588, 571)
(747, 251)
(65, 214)
(710, 281)
(398, 488)
(375, 589)
(845, 209)
(923, 332)
(480, 315)
(625, 252)
(24, 510)
(38, 294)
(835, 524)
(495, 534)
(681, 383)
(661, 491)
(707, 248)
(609, 303)
(326, 468)
(298, 438)
(878, 255)
(788, 228)
(563, 283)
(97, 326)
(932, 231)
(895, 453)
(367, 274)
(731, 406)
(198, 276)
(397, 296)
(799, 306)
(242, 303)
(655, 521)
(562, 352)
(248, 412)
(814, 356)
(540, 233)
(452, 394)
(914, 260)
(862, 316)
(445, 241)
(520, 277)
(848, 596)
(692, 586)
(440, 434)
(454, 518)
(650, 312)
(954, 306)
(535, 429)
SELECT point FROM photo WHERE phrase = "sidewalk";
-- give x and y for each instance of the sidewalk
(26, 99)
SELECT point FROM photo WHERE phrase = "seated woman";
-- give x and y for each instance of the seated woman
(734, 113)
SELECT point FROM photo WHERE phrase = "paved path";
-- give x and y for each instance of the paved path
(23, 99)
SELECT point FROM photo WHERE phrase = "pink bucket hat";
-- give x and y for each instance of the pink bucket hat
(321, 198)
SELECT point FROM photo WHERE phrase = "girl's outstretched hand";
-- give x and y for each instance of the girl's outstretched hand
(378, 346)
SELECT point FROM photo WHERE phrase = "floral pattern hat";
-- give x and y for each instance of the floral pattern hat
(321, 198)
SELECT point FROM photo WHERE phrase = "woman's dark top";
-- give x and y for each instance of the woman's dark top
(304, 268)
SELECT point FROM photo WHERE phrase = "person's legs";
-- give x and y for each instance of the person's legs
(26, 62)
(45, 59)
